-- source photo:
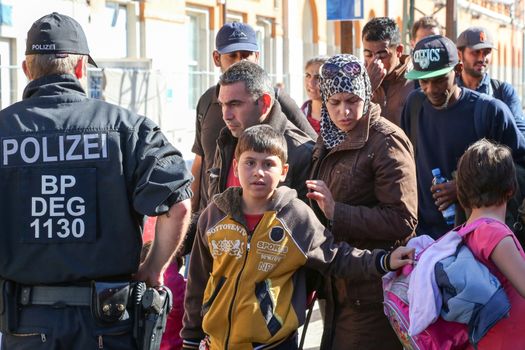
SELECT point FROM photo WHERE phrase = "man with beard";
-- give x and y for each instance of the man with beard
(442, 120)
(475, 46)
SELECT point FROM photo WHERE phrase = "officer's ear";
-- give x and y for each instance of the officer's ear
(80, 68)
(26, 70)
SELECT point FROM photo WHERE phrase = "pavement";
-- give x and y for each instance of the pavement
(314, 330)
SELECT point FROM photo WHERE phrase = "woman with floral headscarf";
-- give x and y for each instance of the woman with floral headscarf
(365, 191)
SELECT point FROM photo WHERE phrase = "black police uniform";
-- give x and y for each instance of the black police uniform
(77, 175)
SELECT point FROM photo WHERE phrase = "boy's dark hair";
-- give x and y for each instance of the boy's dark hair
(486, 175)
(427, 22)
(382, 28)
(262, 139)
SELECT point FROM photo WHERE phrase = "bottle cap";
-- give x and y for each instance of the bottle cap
(436, 172)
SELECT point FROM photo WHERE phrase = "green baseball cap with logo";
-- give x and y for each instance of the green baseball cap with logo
(432, 57)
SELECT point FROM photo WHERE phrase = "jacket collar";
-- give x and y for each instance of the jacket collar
(230, 201)
(400, 70)
(52, 85)
(483, 87)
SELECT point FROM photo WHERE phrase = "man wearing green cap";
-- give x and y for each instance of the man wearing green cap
(442, 120)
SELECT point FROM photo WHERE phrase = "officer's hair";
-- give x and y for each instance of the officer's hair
(262, 138)
(426, 22)
(256, 80)
(50, 64)
(486, 175)
(380, 29)
(316, 60)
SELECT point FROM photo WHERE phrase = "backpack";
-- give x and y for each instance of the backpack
(440, 335)
(496, 88)
(515, 214)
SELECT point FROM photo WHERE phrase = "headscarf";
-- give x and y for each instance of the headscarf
(352, 78)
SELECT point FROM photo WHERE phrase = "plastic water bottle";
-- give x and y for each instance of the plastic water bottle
(449, 213)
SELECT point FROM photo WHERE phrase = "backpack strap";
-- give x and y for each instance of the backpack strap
(465, 230)
(481, 120)
(416, 105)
(496, 88)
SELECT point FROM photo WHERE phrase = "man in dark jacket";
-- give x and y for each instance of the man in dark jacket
(246, 98)
(77, 177)
(234, 42)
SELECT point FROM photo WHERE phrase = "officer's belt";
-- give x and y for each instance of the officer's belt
(56, 295)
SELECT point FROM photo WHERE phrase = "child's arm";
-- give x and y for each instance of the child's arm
(510, 262)
(200, 266)
(400, 257)
(339, 259)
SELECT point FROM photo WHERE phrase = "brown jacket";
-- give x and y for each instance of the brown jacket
(372, 178)
(393, 91)
(257, 276)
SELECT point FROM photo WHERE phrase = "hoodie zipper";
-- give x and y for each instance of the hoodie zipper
(237, 281)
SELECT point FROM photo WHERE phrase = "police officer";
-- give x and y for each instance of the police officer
(77, 176)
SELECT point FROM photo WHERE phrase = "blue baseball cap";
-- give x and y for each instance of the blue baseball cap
(236, 36)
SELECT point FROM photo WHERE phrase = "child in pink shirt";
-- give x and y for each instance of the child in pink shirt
(486, 180)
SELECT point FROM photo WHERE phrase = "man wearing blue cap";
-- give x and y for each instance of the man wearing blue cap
(77, 177)
(475, 45)
(234, 42)
(442, 120)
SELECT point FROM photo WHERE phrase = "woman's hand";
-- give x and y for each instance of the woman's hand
(400, 257)
(319, 192)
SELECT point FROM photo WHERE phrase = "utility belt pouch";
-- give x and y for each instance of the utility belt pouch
(110, 300)
(152, 313)
(8, 306)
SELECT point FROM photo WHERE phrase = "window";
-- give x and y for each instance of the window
(8, 73)
(200, 74)
(113, 28)
(331, 46)
(234, 17)
(263, 30)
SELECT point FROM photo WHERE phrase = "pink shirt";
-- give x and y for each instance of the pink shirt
(509, 333)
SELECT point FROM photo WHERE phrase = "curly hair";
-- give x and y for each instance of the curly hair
(380, 29)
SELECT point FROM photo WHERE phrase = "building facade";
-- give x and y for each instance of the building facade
(155, 56)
